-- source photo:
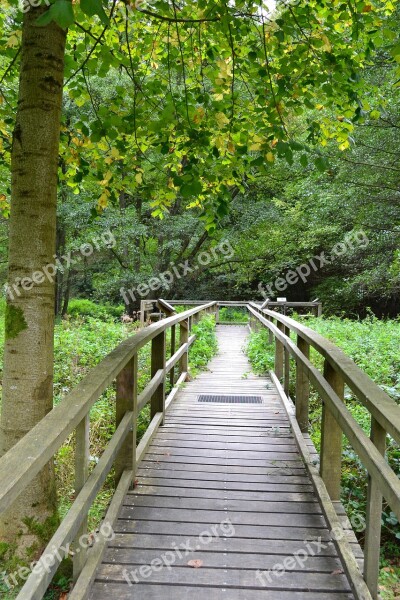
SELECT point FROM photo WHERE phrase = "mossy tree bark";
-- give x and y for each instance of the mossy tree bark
(28, 361)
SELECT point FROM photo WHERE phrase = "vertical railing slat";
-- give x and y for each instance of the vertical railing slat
(183, 339)
(173, 347)
(82, 456)
(302, 388)
(331, 438)
(126, 401)
(279, 354)
(373, 518)
(158, 361)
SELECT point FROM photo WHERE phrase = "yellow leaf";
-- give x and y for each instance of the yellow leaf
(199, 114)
(103, 202)
(221, 119)
(12, 41)
(139, 178)
(270, 157)
(255, 147)
(115, 153)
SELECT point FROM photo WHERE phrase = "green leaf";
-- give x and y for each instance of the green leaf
(191, 189)
(321, 164)
(61, 12)
(94, 7)
(304, 160)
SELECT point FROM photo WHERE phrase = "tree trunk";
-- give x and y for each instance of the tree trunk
(28, 360)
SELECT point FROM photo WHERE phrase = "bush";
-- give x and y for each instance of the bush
(86, 308)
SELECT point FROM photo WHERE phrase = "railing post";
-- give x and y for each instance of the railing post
(183, 337)
(373, 517)
(127, 402)
(331, 438)
(279, 354)
(217, 314)
(286, 380)
(158, 361)
(82, 455)
(173, 346)
(270, 334)
(302, 388)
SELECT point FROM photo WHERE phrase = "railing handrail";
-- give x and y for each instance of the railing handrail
(24, 461)
(377, 401)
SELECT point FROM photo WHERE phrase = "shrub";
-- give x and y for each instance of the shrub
(86, 308)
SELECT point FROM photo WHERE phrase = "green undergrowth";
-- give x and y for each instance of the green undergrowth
(375, 347)
(229, 314)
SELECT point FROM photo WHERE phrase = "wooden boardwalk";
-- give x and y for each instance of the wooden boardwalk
(223, 507)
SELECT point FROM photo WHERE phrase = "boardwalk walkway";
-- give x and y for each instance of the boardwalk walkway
(222, 498)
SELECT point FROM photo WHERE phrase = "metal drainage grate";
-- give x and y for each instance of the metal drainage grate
(231, 399)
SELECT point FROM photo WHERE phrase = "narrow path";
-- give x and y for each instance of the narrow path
(223, 498)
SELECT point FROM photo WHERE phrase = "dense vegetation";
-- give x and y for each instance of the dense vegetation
(375, 346)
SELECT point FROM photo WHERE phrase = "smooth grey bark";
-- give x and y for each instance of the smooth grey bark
(28, 360)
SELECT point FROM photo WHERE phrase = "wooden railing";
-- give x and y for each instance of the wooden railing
(28, 457)
(339, 370)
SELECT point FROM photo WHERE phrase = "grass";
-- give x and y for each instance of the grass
(375, 346)
(233, 315)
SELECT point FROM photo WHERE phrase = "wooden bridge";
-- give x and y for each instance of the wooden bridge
(225, 496)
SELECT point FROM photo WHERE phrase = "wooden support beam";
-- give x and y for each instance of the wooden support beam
(331, 437)
(82, 455)
(302, 387)
(183, 339)
(279, 354)
(286, 379)
(374, 516)
(126, 401)
(173, 346)
(158, 362)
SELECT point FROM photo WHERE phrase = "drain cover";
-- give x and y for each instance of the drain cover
(231, 399)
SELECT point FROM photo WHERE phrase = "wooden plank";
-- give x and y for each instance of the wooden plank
(223, 504)
(232, 578)
(175, 515)
(246, 531)
(218, 544)
(248, 495)
(221, 560)
(123, 591)
(199, 476)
